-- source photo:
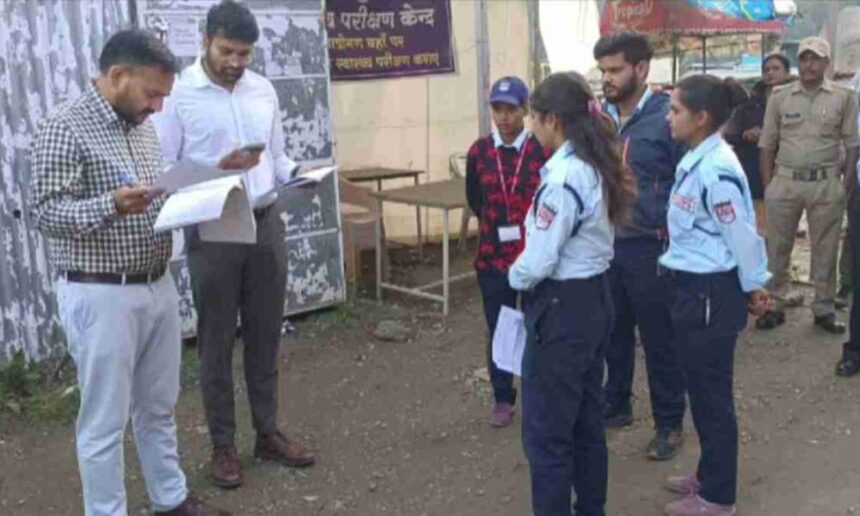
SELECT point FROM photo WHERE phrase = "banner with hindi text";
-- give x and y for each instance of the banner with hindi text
(378, 39)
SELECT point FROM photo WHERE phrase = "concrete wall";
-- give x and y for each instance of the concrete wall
(386, 122)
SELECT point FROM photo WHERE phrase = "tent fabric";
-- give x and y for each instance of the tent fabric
(690, 17)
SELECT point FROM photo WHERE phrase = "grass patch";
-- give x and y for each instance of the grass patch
(190, 372)
(484, 393)
(44, 392)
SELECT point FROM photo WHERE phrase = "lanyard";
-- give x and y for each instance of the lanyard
(516, 181)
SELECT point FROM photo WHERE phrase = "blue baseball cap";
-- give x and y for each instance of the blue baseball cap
(510, 90)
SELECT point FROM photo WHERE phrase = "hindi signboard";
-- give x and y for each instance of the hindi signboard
(377, 39)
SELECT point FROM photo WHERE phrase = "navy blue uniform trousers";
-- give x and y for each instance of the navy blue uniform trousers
(567, 325)
(641, 298)
(853, 344)
(497, 292)
(708, 313)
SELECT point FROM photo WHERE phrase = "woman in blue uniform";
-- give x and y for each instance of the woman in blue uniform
(719, 269)
(584, 191)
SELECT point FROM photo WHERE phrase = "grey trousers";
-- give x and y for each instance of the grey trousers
(250, 281)
(125, 341)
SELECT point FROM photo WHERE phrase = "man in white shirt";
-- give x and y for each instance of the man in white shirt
(215, 107)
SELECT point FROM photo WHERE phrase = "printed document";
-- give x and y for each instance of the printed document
(311, 177)
(221, 207)
(509, 341)
(187, 173)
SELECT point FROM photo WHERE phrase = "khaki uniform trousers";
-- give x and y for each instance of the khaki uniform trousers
(824, 201)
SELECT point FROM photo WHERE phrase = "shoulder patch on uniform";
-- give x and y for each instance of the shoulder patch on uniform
(545, 216)
(683, 202)
(725, 212)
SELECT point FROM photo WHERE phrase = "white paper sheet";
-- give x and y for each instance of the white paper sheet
(186, 173)
(310, 177)
(237, 223)
(509, 341)
(221, 208)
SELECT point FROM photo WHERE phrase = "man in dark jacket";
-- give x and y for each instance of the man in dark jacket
(744, 128)
(639, 288)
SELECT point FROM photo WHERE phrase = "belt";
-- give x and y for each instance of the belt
(112, 278)
(810, 174)
(685, 274)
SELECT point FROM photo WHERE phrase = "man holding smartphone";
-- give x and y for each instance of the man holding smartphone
(217, 106)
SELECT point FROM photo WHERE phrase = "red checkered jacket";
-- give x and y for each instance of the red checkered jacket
(487, 200)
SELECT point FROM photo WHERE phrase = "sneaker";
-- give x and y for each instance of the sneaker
(770, 320)
(665, 444)
(686, 485)
(697, 506)
(503, 415)
(618, 416)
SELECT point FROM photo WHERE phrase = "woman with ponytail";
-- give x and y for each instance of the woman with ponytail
(718, 269)
(585, 190)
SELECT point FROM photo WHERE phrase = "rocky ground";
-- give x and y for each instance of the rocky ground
(399, 426)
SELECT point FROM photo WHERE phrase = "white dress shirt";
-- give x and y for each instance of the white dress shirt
(204, 121)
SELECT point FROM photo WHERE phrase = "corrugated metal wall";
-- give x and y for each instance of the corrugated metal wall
(48, 50)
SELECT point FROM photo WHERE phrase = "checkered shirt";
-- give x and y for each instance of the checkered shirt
(79, 156)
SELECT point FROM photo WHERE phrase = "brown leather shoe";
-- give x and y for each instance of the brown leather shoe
(226, 472)
(277, 448)
(195, 507)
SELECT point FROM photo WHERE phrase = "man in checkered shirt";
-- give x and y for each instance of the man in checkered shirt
(92, 160)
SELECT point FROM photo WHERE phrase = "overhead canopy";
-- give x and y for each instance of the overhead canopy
(690, 17)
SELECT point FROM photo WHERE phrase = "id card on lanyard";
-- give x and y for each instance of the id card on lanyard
(511, 232)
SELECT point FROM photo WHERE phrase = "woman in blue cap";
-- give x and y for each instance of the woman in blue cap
(718, 270)
(502, 174)
(585, 190)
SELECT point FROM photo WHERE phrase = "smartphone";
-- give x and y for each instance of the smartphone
(252, 148)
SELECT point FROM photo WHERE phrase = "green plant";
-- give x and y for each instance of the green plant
(38, 392)
(190, 366)
(19, 378)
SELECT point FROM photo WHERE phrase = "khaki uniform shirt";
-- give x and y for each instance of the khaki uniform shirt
(808, 129)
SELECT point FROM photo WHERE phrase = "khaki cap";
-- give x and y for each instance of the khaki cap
(816, 45)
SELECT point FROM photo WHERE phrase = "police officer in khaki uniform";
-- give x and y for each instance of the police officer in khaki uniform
(806, 124)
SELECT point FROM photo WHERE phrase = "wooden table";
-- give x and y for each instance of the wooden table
(380, 174)
(443, 195)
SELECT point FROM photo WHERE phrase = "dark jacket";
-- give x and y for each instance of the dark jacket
(748, 115)
(653, 156)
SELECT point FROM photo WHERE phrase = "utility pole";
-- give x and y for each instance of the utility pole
(533, 8)
(482, 49)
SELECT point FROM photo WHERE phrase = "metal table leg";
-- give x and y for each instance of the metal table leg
(379, 250)
(445, 262)
(418, 222)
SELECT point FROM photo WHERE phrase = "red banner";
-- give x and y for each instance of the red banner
(676, 16)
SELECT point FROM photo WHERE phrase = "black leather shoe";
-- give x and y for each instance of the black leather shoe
(829, 324)
(618, 416)
(849, 364)
(665, 444)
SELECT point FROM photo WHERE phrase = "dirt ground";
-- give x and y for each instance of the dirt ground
(400, 427)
